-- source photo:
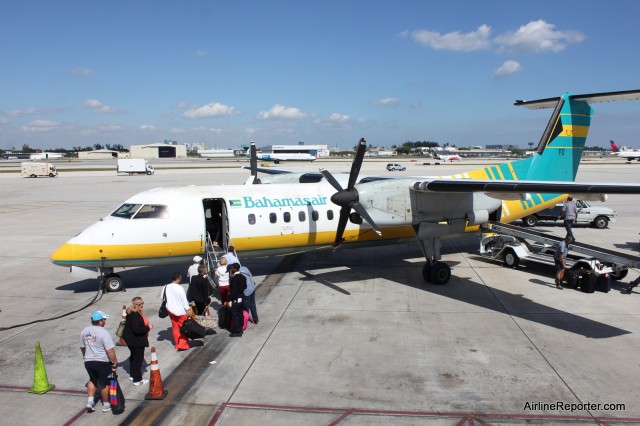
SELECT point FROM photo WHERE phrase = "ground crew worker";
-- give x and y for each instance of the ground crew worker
(570, 213)
(560, 258)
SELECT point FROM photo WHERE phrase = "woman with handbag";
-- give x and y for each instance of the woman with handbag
(136, 332)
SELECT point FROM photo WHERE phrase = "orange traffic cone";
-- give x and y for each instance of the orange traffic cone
(121, 342)
(40, 380)
(156, 390)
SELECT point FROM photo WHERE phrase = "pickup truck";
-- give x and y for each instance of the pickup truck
(599, 217)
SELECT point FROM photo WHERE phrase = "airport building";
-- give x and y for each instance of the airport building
(158, 150)
(101, 154)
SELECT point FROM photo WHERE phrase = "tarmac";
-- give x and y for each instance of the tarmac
(348, 337)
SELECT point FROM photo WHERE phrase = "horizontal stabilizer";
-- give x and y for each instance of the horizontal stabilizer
(548, 187)
(628, 95)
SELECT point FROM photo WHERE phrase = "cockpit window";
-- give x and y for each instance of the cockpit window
(151, 211)
(126, 211)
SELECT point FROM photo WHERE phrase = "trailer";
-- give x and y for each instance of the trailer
(512, 244)
(38, 169)
(134, 165)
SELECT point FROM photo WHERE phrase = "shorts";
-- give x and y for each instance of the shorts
(98, 372)
(559, 265)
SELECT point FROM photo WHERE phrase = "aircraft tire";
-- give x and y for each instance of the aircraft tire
(440, 273)
(619, 275)
(113, 283)
(426, 272)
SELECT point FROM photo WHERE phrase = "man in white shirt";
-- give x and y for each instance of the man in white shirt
(100, 359)
(193, 269)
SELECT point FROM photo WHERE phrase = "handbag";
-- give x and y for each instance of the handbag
(162, 312)
(116, 397)
(208, 321)
(120, 330)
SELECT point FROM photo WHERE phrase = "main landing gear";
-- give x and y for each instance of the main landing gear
(436, 272)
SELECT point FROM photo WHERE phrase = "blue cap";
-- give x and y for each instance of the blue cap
(98, 315)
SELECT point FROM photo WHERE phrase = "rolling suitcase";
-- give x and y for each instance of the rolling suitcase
(193, 330)
(571, 277)
(224, 317)
(588, 282)
(603, 283)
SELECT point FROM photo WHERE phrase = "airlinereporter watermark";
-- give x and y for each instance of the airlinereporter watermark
(573, 406)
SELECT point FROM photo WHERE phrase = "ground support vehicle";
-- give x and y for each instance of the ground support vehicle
(597, 216)
(38, 169)
(134, 165)
(512, 244)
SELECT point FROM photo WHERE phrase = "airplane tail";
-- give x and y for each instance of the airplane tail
(614, 147)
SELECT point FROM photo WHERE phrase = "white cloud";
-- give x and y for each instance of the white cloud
(37, 126)
(340, 118)
(110, 128)
(387, 101)
(215, 109)
(457, 41)
(507, 68)
(201, 53)
(176, 131)
(280, 112)
(98, 106)
(213, 130)
(537, 37)
(147, 127)
(82, 72)
(335, 121)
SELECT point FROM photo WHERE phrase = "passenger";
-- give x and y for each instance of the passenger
(177, 306)
(222, 279)
(249, 301)
(237, 286)
(200, 290)
(99, 360)
(560, 258)
(136, 334)
(193, 269)
(231, 256)
(569, 212)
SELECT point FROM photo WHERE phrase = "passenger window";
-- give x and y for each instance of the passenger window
(314, 215)
(302, 217)
(149, 211)
(126, 211)
(330, 214)
(252, 219)
(287, 217)
(273, 218)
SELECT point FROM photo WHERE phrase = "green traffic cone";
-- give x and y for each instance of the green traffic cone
(40, 381)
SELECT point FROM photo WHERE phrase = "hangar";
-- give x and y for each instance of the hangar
(100, 154)
(158, 150)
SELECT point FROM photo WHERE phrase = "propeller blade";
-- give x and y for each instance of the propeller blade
(329, 177)
(363, 213)
(357, 163)
(342, 224)
(253, 162)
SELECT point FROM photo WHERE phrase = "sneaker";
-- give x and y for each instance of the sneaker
(91, 407)
(131, 378)
(558, 286)
(235, 335)
(141, 382)
(106, 408)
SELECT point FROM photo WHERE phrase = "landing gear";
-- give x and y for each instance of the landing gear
(113, 282)
(437, 273)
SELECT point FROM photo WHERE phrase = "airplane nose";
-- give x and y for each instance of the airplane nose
(63, 256)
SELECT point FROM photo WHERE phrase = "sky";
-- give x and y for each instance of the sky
(223, 73)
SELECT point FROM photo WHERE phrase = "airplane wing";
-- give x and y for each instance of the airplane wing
(502, 189)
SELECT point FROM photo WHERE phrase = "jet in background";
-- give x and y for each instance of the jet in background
(628, 155)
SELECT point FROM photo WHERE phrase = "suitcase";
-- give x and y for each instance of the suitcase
(588, 282)
(224, 317)
(245, 316)
(193, 330)
(603, 283)
(571, 277)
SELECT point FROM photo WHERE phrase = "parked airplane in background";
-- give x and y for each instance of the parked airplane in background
(445, 158)
(285, 212)
(278, 153)
(45, 155)
(628, 155)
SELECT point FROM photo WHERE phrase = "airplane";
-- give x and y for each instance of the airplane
(445, 158)
(283, 212)
(626, 154)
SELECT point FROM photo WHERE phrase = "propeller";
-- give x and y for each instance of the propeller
(253, 163)
(348, 199)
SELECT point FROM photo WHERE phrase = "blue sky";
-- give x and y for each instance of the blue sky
(76, 73)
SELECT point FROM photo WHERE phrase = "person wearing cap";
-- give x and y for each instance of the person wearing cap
(177, 305)
(193, 269)
(99, 359)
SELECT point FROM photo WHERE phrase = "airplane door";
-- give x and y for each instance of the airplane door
(216, 221)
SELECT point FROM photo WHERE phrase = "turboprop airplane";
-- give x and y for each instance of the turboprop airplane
(445, 158)
(286, 212)
(623, 153)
